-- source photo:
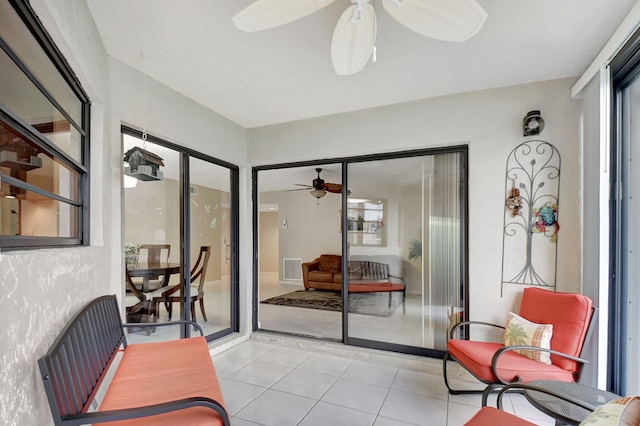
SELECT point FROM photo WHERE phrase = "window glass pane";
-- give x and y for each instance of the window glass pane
(152, 240)
(211, 231)
(294, 230)
(630, 227)
(19, 94)
(14, 32)
(23, 160)
(409, 290)
(38, 216)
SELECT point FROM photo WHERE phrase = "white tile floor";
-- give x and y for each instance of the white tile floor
(268, 382)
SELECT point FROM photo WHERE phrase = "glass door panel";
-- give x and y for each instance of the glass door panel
(628, 236)
(152, 239)
(296, 227)
(405, 273)
(209, 195)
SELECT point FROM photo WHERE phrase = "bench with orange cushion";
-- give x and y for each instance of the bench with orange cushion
(164, 383)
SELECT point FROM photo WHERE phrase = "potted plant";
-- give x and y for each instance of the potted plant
(131, 252)
(415, 249)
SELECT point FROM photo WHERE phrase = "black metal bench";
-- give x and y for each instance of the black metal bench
(76, 364)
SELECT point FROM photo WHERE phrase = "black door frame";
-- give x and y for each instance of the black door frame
(345, 161)
(185, 234)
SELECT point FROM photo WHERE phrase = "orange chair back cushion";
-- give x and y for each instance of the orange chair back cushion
(570, 314)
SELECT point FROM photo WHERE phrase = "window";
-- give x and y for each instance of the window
(44, 114)
(365, 220)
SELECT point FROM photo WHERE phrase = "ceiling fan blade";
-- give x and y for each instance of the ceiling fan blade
(335, 188)
(448, 20)
(353, 39)
(265, 14)
(302, 184)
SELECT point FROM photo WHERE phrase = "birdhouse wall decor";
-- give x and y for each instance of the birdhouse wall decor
(143, 165)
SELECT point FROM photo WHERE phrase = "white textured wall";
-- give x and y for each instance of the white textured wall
(41, 289)
(490, 122)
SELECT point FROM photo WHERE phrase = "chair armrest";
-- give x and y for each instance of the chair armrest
(162, 324)
(149, 410)
(309, 266)
(460, 324)
(499, 352)
(523, 386)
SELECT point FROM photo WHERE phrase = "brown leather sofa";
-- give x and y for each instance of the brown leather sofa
(324, 273)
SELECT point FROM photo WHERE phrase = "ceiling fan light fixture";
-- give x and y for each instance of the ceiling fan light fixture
(318, 193)
(265, 14)
(353, 40)
(450, 20)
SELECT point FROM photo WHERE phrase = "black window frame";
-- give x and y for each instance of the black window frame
(25, 130)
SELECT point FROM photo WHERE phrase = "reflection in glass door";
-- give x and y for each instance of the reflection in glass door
(151, 236)
(405, 222)
(210, 290)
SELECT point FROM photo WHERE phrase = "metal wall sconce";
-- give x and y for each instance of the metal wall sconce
(532, 124)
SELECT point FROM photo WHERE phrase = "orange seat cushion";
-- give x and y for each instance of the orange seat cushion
(570, 314)
(152, 373)
(373, 287)
(477, 356)
(489, 416)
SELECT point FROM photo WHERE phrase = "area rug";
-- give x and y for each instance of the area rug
(376, 304)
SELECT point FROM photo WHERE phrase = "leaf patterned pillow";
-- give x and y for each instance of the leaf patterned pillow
(520, 331)
(619, 412)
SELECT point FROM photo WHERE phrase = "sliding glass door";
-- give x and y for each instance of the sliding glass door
(624, 315)
(180, 238)
(405, 238)
(371, 254)
(294, 229)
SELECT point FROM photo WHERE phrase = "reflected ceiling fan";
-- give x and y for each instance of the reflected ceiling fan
(355, 34)
(319, 187)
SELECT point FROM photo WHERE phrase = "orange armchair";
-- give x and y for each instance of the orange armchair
(497, 365)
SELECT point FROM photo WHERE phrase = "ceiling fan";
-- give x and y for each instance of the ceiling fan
(355, 34)
(319, 187)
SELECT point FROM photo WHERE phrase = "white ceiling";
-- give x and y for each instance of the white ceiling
(285, 74)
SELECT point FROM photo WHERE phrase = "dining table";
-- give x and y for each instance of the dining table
(146, 270)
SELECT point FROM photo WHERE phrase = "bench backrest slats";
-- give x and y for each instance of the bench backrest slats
(375, 270)
(74, 365)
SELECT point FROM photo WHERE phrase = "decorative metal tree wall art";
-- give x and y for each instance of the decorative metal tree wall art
(529, 250)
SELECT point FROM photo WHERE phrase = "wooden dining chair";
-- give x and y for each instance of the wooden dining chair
(155, 255)
(137, 307)
(174, 294)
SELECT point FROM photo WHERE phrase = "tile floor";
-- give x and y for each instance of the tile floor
(276, 382)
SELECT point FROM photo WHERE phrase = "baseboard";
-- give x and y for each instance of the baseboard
(291, 282)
